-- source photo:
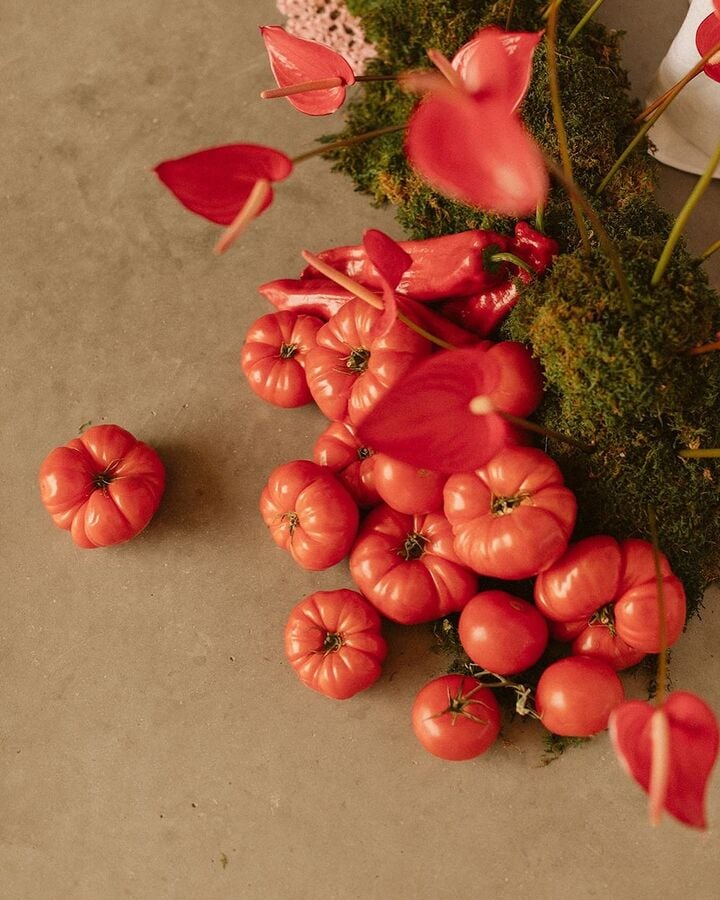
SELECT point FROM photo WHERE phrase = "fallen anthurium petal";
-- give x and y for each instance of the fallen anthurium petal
(679, 779)
(295, 60)
(426, 420)
(484, 157)
(216, 183)
(498, 63)
(706, 37)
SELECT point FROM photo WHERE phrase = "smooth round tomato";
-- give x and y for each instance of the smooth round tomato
(273, 357)
(351, 369)
(575, 696)
(340, 449)
(309, 514)
(406, 488)
(455, 717)
(512, 518)
(334, 643)
(103, 487)
(613, 586)
(407, 568)
(502, 633)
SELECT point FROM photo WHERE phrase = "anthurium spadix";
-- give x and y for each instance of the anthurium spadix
(310, 75)
(670, 751)
(229, 185)
(465, 137)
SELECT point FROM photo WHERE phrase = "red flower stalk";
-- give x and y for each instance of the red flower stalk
(310, 75)
(485, 157)
(230, 185)
(707, 37)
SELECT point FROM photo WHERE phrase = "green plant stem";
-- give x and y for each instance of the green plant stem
(376, 78)
(527, 425)
(710, 453)
(604, 238)
(713, 248)
(508, 19)
(515, 261)
(683, 216)
(585, 19)
(556, 102)
(662, 621)
(348, 142)
(540, 217)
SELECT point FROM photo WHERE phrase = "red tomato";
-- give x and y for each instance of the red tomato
(454, 717)
(350, 369)
(575, 696)
(407, 488)
(333, 641)
(614, 586)
(407, 568)
(502, 633)
(601, 642)
(585, 578)
(512, 518)
(103, 487)
(339, 448)
(309, 514)
(273, 357)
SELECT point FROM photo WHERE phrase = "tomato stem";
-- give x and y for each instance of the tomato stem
(332, 642)
(292, 519)
(501, 506)
(287, 351)
(358, 360)
(414, 546)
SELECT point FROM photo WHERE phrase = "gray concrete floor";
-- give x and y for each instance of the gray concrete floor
(154, 742)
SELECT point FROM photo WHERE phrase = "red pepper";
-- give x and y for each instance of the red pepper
(483, 312)
(448, 266)
(434, 323)
(312, 296)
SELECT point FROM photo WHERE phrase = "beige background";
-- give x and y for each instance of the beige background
(154, 742)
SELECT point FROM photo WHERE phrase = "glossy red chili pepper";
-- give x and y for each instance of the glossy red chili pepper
(448, 266)
(312, 296)
(483, 312)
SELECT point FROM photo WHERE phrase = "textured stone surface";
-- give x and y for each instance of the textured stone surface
(154, 743)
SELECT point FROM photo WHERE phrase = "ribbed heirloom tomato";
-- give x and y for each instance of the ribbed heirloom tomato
(350, 369)
(407, 568)
(339, 448)
(103, 487)
(333, 641)
(273, 357)
(456, 718)
(309, 514)
(513, 517)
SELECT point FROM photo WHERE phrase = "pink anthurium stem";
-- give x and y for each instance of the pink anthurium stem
(300, 88)
(359, 290)
(251, 208)
(443, 65)
(483, 406)
(705, 348)
(673, 91)
(659, 765)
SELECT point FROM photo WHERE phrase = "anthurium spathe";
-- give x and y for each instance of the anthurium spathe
(466, 139)
(670, 751)
(446, 413)
(391, 262)
(297, 62)
(707, 37)
(229, 185)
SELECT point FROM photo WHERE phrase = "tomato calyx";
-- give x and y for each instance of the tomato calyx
(364, 453)
(502, 506)
(605, 617)
(332, 642)
(292, 519)
(287, 351)
(458, 705)
(414, 546)
(358, 360)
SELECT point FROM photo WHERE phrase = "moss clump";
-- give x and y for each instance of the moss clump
(623, 381)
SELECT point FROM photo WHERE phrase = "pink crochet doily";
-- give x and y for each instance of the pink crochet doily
(330, 23)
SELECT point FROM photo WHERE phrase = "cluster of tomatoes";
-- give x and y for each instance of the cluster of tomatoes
(418, 541)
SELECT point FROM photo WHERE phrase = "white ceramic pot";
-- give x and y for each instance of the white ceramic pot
(687, 135)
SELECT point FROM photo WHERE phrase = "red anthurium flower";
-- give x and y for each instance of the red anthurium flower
(229, 185)
(498, 62)
(446, 414)
(716, 4)
(465, 137)
(670, 751)
(318, 73)
(391, 262)
(706, 37)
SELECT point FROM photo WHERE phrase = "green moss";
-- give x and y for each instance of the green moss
(624, 382)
